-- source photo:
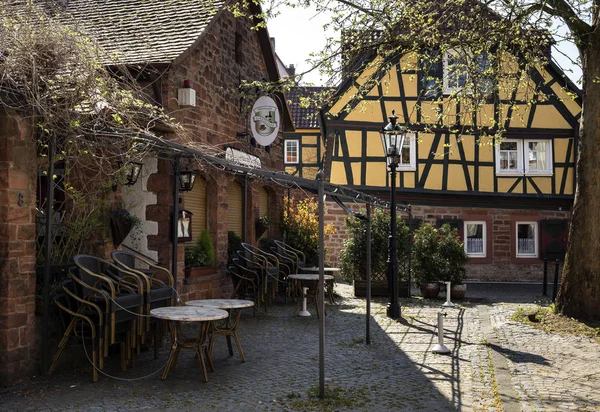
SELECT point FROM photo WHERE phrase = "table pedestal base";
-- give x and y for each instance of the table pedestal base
(304, 312)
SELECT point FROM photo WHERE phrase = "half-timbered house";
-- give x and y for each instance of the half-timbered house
(503, 175)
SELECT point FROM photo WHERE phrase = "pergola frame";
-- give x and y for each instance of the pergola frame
(177, 151)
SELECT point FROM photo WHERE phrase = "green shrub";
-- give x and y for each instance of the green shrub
(354, 254)
(202, 253)
(438, 255)
(301, 223)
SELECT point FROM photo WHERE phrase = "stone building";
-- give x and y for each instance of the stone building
(191, 58)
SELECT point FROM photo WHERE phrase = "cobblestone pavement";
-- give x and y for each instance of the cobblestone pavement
(495, 364)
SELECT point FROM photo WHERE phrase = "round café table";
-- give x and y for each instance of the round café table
(306, 278)
(228, 327)
(175, 315)
(329, 284)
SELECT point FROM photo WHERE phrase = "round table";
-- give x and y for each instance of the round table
(177, 314)
(229, 327)
(329, 284)
(309, 277)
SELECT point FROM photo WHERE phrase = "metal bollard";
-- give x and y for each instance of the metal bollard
(448, 303)
(555, 288)
(440, 347)
(545, 285)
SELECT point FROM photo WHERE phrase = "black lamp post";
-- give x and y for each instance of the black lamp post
(187, 178)
(392, 138)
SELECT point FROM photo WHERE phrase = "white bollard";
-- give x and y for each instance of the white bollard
(448, 303)
(440, 347)
(304, 311)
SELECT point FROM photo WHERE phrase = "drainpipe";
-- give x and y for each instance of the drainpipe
(175, 219)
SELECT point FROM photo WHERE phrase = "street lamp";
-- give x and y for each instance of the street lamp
(392, 138)
(187, 178)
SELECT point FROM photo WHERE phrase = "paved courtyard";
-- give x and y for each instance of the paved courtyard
(495, 364)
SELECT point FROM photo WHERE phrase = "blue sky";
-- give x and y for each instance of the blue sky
(298, 32)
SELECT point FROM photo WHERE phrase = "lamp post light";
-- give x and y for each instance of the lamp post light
(392, 138)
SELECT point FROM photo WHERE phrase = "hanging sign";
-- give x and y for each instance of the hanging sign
(264, 120)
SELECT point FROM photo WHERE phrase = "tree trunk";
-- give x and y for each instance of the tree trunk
(579, 294)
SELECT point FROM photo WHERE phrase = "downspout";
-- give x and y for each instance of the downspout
(48, 251)
(175, 219)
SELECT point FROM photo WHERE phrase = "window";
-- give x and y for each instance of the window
(408, 157)
(475, 239)
(291, 151)
(430, 74)
(527, 239)
(538, 155)
(456, 72)
(528, 157)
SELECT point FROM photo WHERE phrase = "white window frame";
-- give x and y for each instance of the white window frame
(411, 141)
(522, 159)
(286, 150)
(535, 239)
(445, 83)
(484, 239)
(548, 170)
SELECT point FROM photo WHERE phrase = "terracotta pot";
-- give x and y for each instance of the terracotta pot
(458, 291)
(191, 272)
(430, 290)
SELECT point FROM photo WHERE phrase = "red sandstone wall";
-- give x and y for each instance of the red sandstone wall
(17, 249)
(219, 117)
(502, 266)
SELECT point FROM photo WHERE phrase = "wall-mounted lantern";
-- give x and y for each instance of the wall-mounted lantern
(187, 178)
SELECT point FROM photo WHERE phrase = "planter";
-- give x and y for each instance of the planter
(430, 290)
(260, 228)
(458, 291)
(191, 272)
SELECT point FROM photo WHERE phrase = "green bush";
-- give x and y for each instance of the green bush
(202, 253)
(301, 223)
(438, 255)
(354, 254)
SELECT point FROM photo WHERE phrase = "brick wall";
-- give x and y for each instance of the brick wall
(17, 249)
(500, 266)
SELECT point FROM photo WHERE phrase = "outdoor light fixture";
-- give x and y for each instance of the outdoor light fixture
(131, 173)
(392, 138)
(187, 178)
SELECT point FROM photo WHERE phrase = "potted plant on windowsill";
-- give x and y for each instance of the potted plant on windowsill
(200, 258)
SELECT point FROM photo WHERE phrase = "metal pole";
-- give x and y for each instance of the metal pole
(555, 288)
(321, 303)
(440, 347)
(245, 208)
(545, 284)
(368, 338)
(48, 251)
(175, 218)
(409, 208)
(393, 310)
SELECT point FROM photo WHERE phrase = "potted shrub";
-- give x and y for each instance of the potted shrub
(426, 263)
(453, 256)
(354, 254)
(200, 258)
(121, 223)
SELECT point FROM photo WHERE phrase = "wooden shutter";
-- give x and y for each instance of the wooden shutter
(195, 202)
(235, 208)
(263, 202)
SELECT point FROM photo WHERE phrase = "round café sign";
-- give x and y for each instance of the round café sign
(265, 120)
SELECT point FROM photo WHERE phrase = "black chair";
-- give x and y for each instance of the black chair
(159, 285)
(117, 292)
(245, 283)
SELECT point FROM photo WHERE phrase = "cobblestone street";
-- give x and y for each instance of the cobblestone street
(495, 364)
